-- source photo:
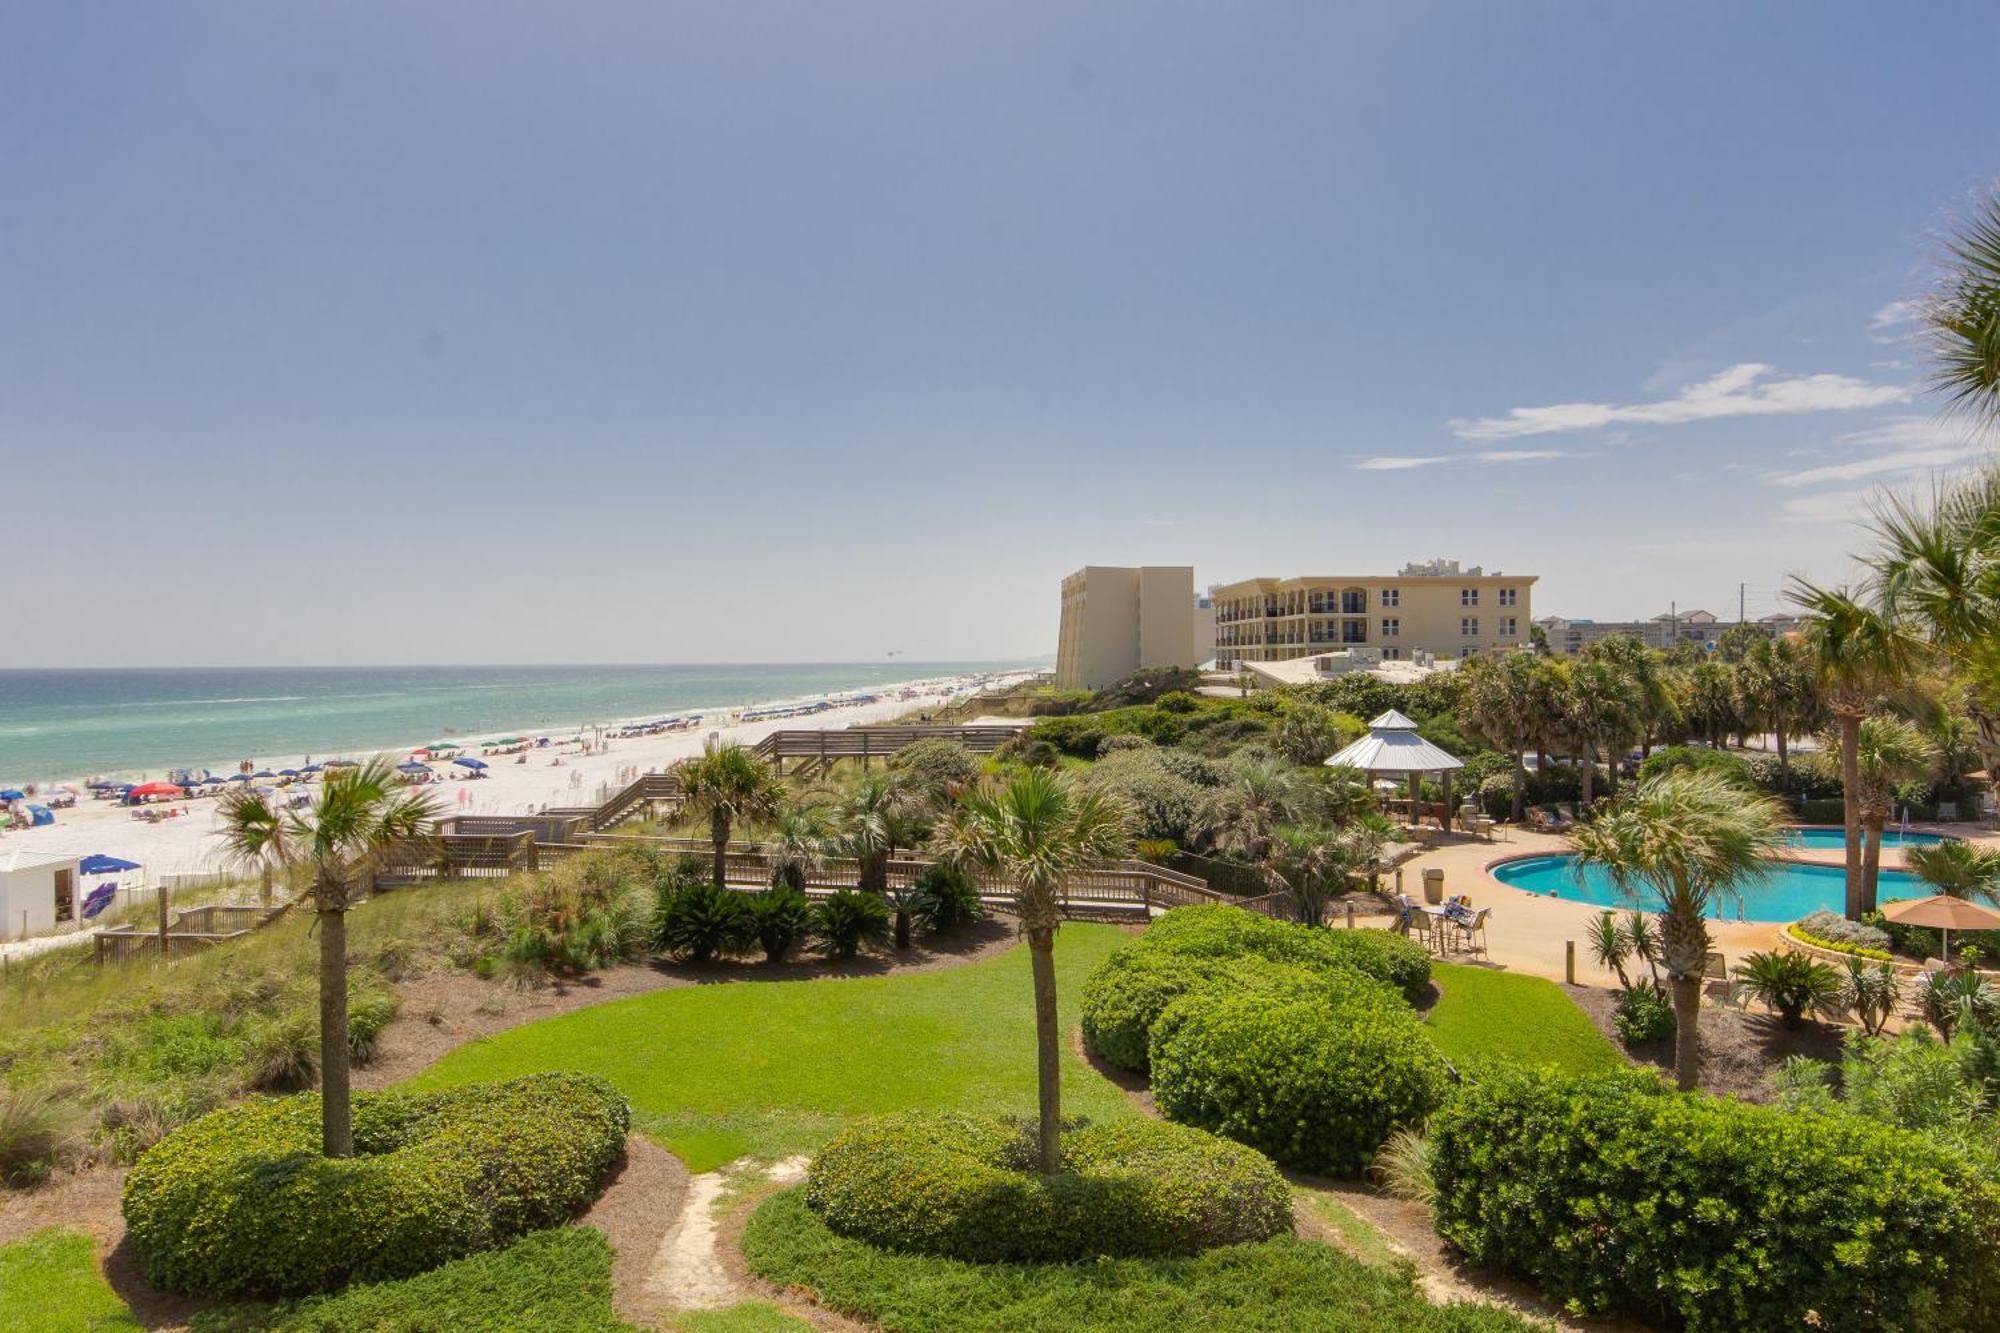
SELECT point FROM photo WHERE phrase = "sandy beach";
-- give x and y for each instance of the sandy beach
(558, 774)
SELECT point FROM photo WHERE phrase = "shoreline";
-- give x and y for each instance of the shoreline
(562, 773)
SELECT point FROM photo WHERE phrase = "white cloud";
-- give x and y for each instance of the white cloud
(1403, 462)
(1913, 445)
(1741, 391)
(1895, 321)
(1826, 507)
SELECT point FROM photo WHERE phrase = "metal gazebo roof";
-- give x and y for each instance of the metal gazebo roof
(1392, 745)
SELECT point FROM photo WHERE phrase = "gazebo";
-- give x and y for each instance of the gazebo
(1392, 748)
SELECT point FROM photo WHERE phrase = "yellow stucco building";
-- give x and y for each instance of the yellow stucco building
(1435, 609)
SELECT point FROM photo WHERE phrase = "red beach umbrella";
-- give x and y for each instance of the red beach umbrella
(156, 789)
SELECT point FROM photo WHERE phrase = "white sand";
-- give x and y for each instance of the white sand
(186, 845)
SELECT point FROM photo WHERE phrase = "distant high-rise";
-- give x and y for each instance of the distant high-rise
(1117, 619)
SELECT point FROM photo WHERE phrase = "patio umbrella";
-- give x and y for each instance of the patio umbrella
(470, 763)
(101, 864)
(1943, 913)
(13, 794)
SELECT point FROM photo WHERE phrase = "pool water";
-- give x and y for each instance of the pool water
(1833, 839)
(1791, 890)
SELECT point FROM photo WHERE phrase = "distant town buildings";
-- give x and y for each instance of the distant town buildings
(1435, 609)
(1702, 629)
(1117, 619)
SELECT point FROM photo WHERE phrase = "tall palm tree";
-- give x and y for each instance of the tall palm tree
(1654, 708)
(1963, 317)
(1775, 684)
(1496, 707)
(1957, 868)
(1243, 816)
(1038, 831)
(727, 784)
(1888, 751)
(359, 816)
(1693, 839)
(1858, 652)
(1597, 711)
(255, 836)
(798, 843)
(877, 816)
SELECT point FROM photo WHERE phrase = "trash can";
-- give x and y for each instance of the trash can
(1434, 885)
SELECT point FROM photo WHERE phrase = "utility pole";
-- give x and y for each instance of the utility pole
(1739, 603)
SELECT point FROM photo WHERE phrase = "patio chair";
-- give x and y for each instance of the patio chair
(1715, 977)
(1470, 931)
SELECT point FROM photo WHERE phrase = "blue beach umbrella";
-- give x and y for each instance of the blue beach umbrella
(310, 768)
(413, 767)
(288, 772)
(12, 794)
(264, 773)
(470, 763)
(239, 777)
(101, 864)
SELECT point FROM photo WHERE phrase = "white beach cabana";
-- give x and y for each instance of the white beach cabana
(1392, 748)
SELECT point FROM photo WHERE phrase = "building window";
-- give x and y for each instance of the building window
(1468, 652)
(1392, 627)
(1392, 654)
(1468, 626)
(1507, 630)
(1468, 597)
(1392, 596)
(1354, 603)
(1510, 596)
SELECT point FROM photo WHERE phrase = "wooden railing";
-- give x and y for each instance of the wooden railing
(867, 743)
(189, 931)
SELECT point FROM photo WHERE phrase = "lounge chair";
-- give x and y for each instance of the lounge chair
(1715, 976)
(1551, 819)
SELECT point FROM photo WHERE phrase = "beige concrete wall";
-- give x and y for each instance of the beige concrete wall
(1116, 619)
(1445, 616)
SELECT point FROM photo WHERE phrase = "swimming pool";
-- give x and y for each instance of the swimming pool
(1835, 840)
(1791, 890)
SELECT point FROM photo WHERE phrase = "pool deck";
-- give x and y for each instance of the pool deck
(1526, 931)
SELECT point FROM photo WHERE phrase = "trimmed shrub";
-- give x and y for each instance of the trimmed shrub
(1615, 1194)
(241, 1202)
(703, 921)
(1823, 811)
(1124, 998)
(1643, 1014)
(964, 1187)
(1833, 931)
(1217, 931)
(848, 919)
(1317, 1084)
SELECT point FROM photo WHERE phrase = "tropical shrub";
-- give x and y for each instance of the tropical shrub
(848, 919)
(1112, 744)
(938, 765)
(703, 921)
(1317, 1084)
(779, 919)
(36, 1126)
(965, 1187)
(1642, 1014)
(1911, 1080)
(1708, 1212)
(1790, 983)
(1951, 1000)
(241, 1202)
(1831, 930)
(585, 914)
(946, 899)
(1218, 931)
(1164, 803)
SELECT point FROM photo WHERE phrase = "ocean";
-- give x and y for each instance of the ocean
(75, 723)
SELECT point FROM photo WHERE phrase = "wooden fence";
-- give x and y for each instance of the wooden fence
(809, 750)
(189, 931)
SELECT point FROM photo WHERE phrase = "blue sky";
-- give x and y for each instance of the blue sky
(649, 332)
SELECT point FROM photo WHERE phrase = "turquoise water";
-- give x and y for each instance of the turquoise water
(67, 723)
(1791, 890)
(1833, 839)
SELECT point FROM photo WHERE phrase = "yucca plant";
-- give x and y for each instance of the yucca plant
(1950, 1001)
(1871, 993)
(1790, 983)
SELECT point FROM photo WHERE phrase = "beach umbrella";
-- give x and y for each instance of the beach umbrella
(239, 777)
(310, 768)
(264, 773)
(470, 763)
(98, 899)
(157, 789)
(288, 772)
(436, 747)
(101, 784)
(1943, 913)
(101, 864)
(413, 767)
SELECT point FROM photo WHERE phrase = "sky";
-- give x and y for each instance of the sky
(649, 332)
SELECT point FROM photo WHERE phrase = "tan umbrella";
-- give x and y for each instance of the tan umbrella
(1943, 913)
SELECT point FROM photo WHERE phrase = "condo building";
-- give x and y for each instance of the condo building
(1118, 618)
(1433, 610)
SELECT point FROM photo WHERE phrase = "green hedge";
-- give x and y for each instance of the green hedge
(1124, 998)
(962, 1186)
(1617, 1195)
(1220, 931)
(1315, 1083)
(240, 1201)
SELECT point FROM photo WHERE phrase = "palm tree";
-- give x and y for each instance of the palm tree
(1775, 684)
(1311, 863)
(254, 833)
(1957, 868)
(359, 816)
(1963, 317)
(1654, 709)
(798, 844)
(1858, 652)
(1496, 707)
(1038, 831)
(878, 815)
(726, 784)
(1887, 751)
(1243, 816)
(1597, 710)
(1693, 839)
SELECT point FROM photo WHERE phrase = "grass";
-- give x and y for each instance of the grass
(1279, 1285)
(1357, 1235)
(769, 1069)
(1483, 1014)
(748, 1317)
(548, 1282)
(49, 1283)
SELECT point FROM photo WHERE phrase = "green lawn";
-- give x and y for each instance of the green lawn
(767, 1069)
(1483, 1014)
(1278, 1286)
(49, 1283)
